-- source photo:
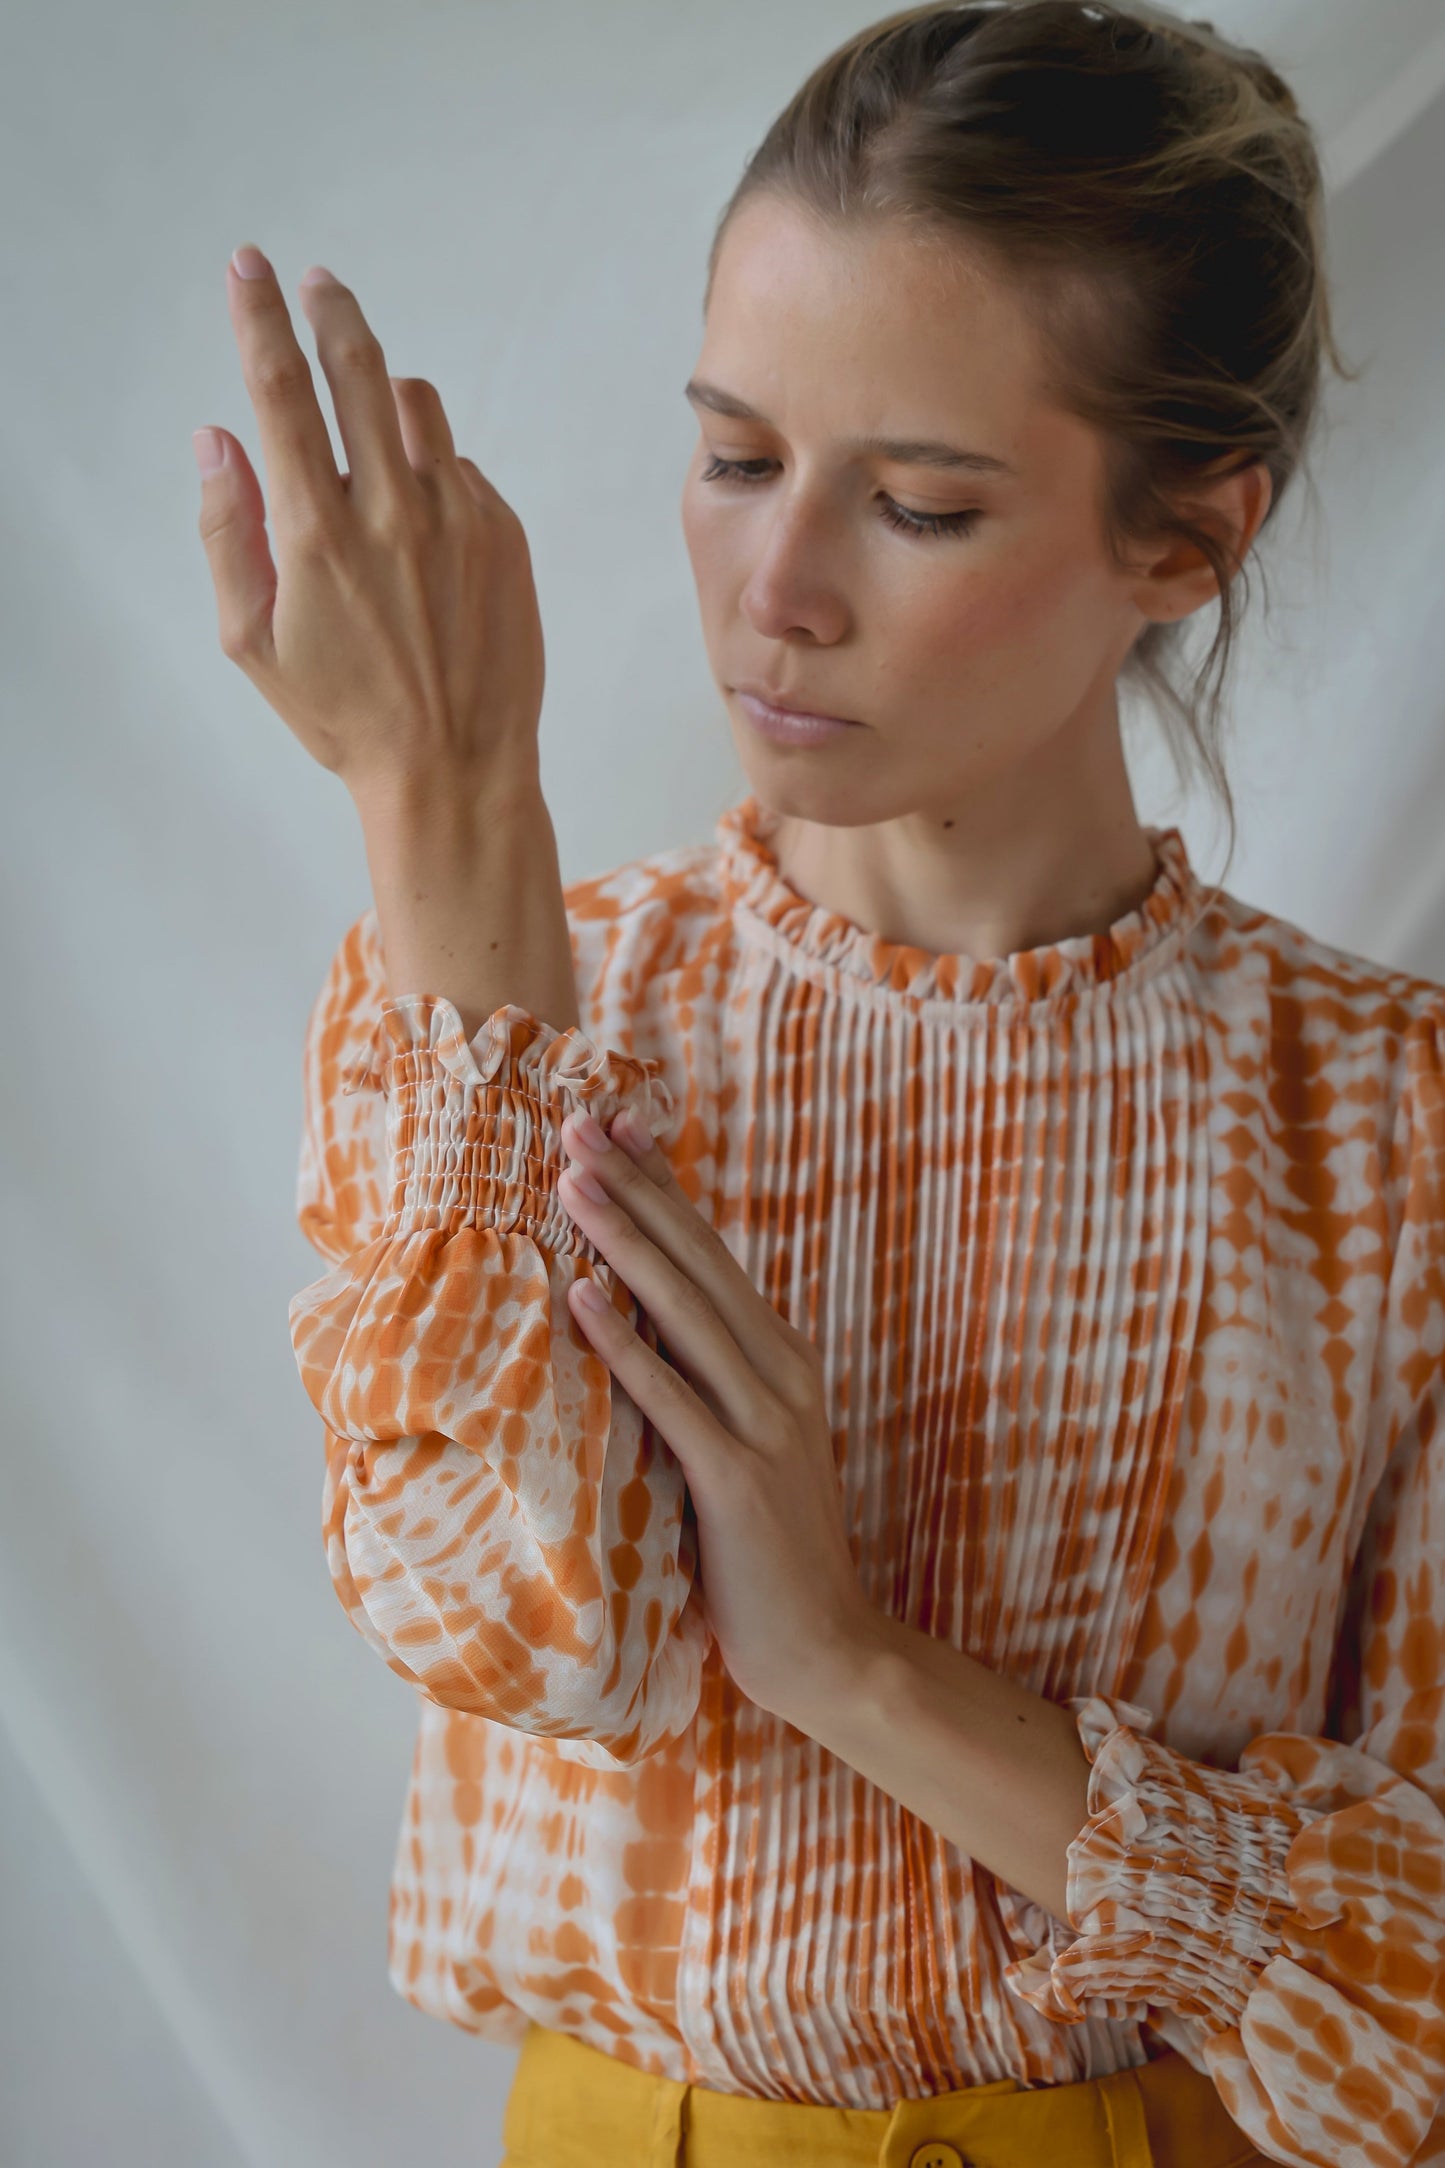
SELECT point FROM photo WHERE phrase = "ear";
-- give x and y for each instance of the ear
(1180, 578)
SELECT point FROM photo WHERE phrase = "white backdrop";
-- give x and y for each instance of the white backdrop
(201, 1764)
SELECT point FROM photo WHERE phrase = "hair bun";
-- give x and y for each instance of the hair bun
(1271, 86)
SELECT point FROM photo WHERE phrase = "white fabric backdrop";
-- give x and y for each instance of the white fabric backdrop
(201, 1765)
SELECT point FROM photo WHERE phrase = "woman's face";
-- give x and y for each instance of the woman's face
(963, 655)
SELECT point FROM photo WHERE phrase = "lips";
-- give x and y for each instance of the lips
(789, 703)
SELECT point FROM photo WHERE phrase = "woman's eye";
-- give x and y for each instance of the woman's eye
(897, 515)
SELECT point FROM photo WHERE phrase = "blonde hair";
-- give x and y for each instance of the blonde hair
(1155, 194)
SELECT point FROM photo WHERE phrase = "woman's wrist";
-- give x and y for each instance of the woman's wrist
(468, 893)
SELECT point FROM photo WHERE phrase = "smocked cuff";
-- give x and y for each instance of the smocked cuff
(474, 1126)
(1177, 1884)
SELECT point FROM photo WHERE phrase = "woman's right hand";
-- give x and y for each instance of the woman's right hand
(397, 634)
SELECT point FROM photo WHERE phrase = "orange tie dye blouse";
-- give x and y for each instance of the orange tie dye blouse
(1126, 1255)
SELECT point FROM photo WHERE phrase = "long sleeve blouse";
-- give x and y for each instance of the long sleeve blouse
(1126, 1258)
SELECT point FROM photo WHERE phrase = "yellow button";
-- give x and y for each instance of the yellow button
(937, 2153)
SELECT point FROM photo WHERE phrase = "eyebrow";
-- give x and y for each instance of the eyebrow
(908, 451)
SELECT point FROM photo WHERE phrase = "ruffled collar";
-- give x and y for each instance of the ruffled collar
(808, 935)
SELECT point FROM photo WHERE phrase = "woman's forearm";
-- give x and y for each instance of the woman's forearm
(998, 1770)
(468, 895)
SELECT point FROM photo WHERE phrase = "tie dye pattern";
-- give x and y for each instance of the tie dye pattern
(1126, 1255)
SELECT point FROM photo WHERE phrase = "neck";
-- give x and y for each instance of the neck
(1048, 849)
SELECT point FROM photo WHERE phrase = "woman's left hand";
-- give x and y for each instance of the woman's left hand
(740, 1402)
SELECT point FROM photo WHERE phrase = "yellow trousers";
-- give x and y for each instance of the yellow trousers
(571, 2106)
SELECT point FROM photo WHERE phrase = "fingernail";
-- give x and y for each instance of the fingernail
(318, 275)
(209, 447)
(634, 1129)
(250, 263)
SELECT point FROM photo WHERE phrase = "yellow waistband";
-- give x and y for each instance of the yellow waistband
(571, 2106)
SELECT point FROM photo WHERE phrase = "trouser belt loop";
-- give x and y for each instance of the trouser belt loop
(1123, 2104)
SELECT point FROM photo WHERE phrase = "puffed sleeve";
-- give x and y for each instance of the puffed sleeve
(1283, 1924)
(501, 1524)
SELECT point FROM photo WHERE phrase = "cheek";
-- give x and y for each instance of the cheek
(722, 545)
(1012, 615)
(705, 535)
(1012, 646)
(970, 617)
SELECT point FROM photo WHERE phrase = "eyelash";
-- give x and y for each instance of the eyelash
(897, 515)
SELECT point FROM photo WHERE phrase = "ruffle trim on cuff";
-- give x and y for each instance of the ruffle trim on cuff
(524, 1052)
(1177, 1883)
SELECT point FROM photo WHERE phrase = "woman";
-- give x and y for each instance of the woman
(945, 1663)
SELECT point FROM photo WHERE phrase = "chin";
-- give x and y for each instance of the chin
(793, 783)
